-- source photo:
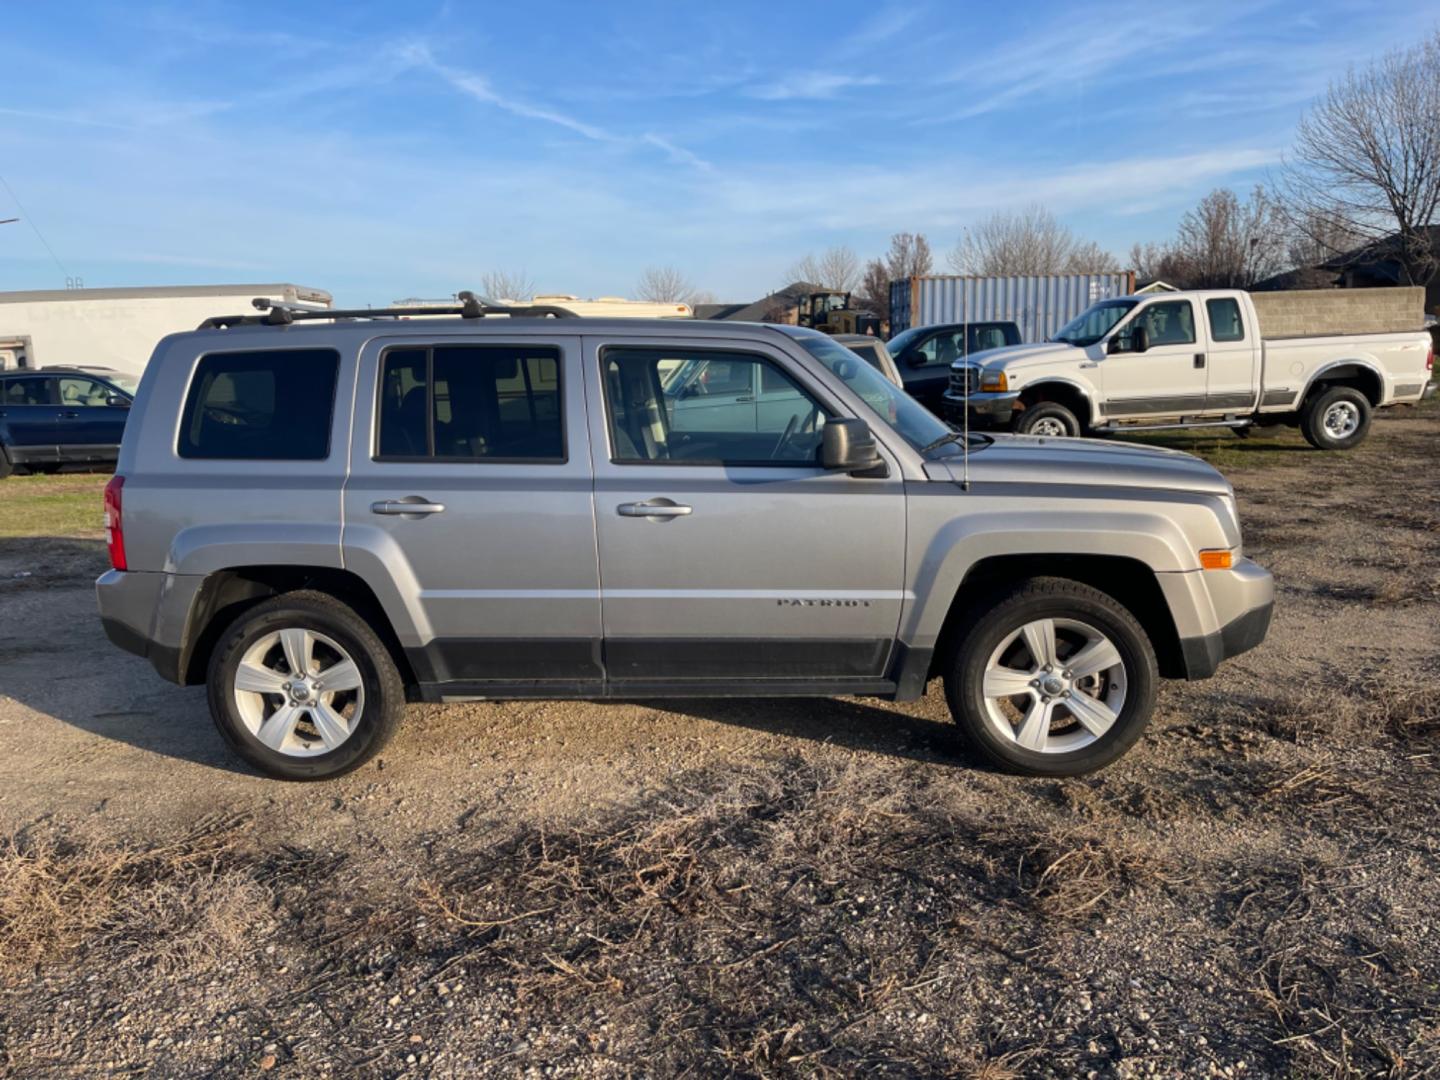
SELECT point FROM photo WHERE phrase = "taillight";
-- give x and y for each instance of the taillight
(1430, 359)
(114, 531)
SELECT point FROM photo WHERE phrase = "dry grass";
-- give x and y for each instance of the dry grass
(171, 906)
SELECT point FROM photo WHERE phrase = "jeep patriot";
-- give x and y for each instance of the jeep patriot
(323, 515)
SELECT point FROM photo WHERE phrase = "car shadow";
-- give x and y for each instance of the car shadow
(56, 661)
(853, 723)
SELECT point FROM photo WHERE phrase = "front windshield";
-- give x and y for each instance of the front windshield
(1094, 322)
(897, 344)
(128, 383)
(916, 424)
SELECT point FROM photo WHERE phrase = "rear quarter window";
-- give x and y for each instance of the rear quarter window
(266, 405)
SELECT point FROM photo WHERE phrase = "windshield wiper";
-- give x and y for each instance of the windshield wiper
(943, 440)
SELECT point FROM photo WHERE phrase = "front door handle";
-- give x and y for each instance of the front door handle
(1199, 359)
(69, 416)
(744, 399)
(410, 506)
(654, 508)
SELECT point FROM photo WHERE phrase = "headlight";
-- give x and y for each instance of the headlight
(994, 381)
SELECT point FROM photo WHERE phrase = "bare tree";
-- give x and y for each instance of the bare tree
(664, 285)
(1316, 238)
(837, 268)
(1028, 241)
(909, 256)
(507, 285)
(1368, 155)
(1226, 244)
(874, 294)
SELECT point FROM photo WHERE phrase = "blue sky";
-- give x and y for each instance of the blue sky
(385, 150)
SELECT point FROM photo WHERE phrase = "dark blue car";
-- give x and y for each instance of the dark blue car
(58, 416)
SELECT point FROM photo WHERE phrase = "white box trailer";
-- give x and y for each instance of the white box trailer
(603, 307)
(118, 328)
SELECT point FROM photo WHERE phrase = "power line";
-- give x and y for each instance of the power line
(30, 220)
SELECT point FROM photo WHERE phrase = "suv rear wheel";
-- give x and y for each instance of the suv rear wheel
(1053, 679)
(301, 688)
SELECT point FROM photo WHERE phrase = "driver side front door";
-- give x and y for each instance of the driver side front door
(1169, 378)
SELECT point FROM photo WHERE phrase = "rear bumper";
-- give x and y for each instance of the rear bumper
(146, 614)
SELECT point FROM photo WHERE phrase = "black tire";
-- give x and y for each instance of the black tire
(1028, 420)
(1003, 613)
(1337, 398)
(383, 689)
(6, 468)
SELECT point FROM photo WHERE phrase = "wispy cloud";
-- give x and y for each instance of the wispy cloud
(479, 88)
(811, 86)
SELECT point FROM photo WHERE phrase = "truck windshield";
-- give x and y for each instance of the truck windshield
(897, 344)
(1094, 322)
(916, 424)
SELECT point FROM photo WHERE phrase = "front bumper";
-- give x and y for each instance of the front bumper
(1243, 600)
(995, 406)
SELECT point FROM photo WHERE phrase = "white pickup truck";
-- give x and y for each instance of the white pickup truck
(1190, 359)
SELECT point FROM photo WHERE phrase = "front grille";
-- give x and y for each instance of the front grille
(964, 380)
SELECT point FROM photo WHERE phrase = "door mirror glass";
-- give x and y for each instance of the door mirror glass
(1131, 339)
(848, 445)
(117, 401)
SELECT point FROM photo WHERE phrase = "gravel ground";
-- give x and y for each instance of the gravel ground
(761, 888)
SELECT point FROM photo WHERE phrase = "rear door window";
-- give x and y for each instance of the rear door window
(483, 403)
(1225, 322)
(266, 405)
(33, 390)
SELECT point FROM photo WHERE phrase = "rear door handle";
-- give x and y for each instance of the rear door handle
(1199, 359)
(410, 506)
(69, 416)
(654, 508)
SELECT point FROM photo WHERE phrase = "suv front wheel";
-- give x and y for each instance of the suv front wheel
(1053, 678)
(301, 688)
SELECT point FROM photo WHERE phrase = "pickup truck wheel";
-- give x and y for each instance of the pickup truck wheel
(302, 689)
(1336, 419)
(1049, 419)
(1053, 678)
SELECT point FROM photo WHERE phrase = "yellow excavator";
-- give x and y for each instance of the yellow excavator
(834, 313)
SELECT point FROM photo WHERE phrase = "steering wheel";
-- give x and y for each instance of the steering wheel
(785, 435)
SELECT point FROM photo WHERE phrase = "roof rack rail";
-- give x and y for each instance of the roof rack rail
(277, 313)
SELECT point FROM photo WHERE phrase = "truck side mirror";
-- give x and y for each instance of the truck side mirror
(1136, 339)
(848, 445)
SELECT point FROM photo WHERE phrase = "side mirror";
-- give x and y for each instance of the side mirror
(1136, 339)
(913, 359)
(1140, 339)
(116, 401)
(848, 445)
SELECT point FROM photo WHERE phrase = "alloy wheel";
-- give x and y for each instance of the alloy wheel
(298, 692)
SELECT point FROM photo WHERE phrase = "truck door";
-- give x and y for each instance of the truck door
(469, 496)
(1231, 360)
(1169, 378)
(727, 555)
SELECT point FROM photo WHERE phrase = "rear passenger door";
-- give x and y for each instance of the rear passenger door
(470, 490)
(730, 556)
(1234, 375)
(30, 417)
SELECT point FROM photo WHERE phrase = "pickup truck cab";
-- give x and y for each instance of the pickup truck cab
(1190, 359)
(325, 517)
(924, 354)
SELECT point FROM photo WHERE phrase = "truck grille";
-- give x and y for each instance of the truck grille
(964, 380)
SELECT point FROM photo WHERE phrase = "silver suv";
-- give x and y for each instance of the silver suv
(323, 517)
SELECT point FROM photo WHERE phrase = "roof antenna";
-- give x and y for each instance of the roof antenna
(965, 353)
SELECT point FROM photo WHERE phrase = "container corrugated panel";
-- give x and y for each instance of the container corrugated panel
(1039, 305)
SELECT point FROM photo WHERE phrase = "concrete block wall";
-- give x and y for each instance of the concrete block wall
(1304, 312)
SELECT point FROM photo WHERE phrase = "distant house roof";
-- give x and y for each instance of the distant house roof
(761, 309)
(1155, 285)
(1302, 277)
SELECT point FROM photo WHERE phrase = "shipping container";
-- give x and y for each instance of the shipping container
(1039, 304)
